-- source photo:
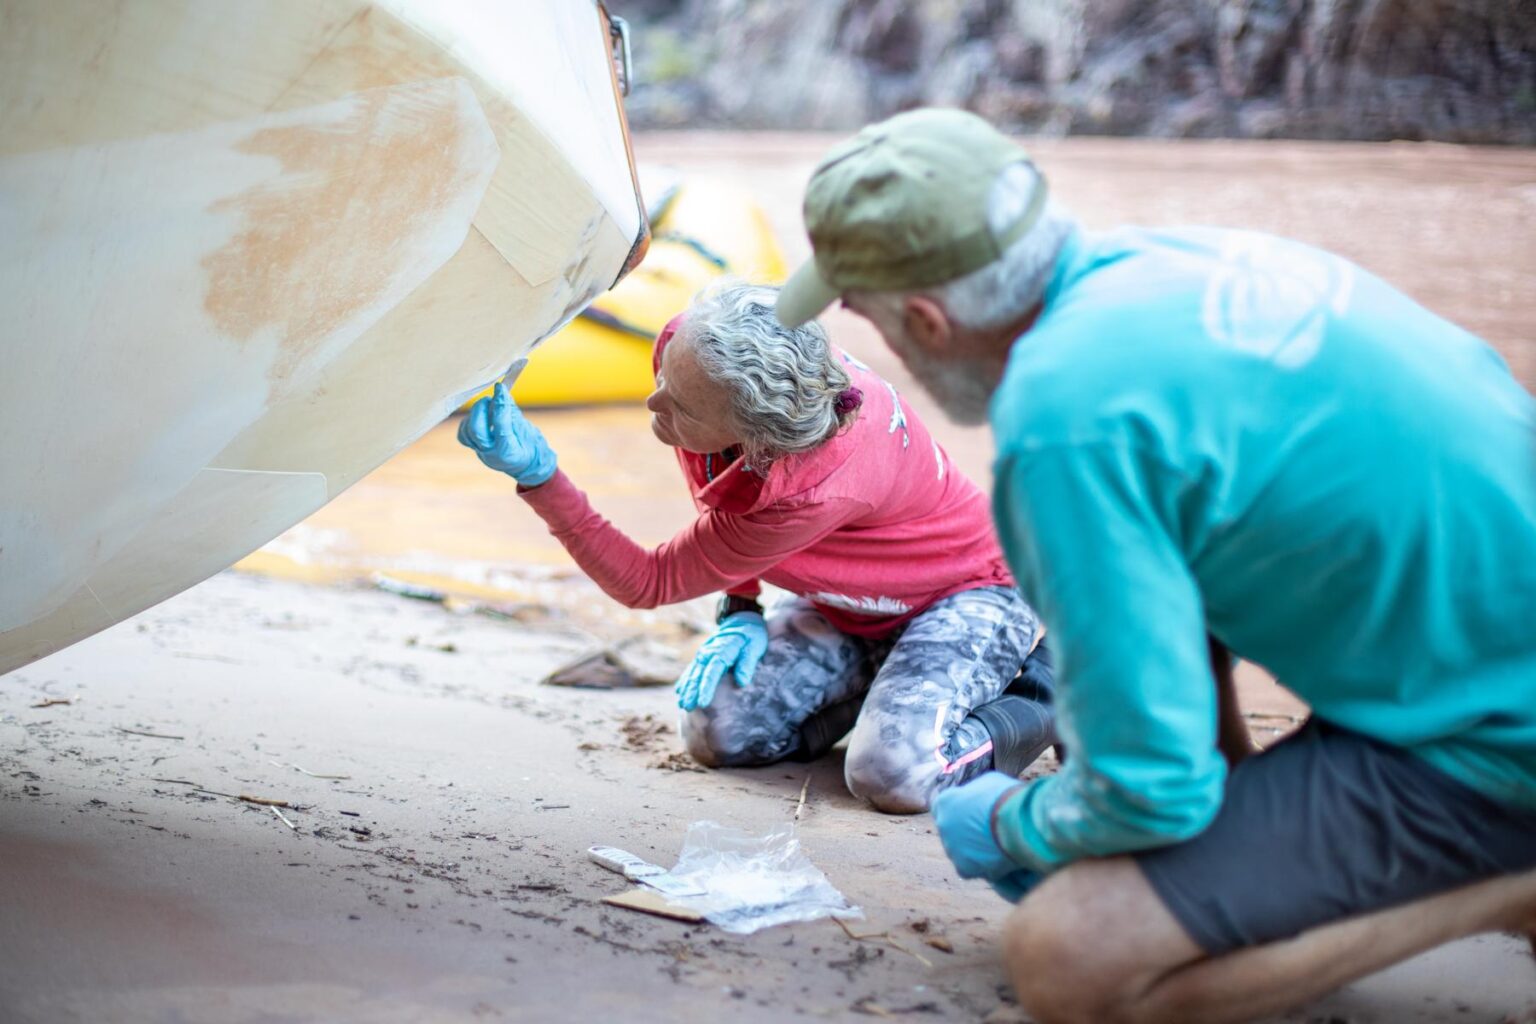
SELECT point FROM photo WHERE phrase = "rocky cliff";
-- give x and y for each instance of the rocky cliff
(1452, 70)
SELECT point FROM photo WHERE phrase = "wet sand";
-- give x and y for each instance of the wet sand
(456, 889)
(444, 879)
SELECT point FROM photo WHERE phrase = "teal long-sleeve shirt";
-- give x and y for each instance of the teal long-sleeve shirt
(1226, 432)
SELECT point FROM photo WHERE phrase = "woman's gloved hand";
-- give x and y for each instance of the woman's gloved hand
(963, 816)
(737, 646)
(496, 430)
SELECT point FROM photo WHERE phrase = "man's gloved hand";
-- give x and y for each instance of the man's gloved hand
(737, 646)
(963, 816)
(497, 432)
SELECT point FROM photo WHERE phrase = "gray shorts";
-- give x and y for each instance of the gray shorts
(1329, 824)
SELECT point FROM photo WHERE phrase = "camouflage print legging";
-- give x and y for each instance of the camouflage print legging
(907, 698)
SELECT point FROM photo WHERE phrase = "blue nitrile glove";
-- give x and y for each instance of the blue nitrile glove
(496, 430)
(738, 645)
(963, 816)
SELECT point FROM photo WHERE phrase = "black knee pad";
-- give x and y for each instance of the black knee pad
(1021, 730)
(1037, 676)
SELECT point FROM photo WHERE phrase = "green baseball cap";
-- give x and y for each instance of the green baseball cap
(903, 205)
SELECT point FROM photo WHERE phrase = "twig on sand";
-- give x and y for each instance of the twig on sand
(306, 771)
(885, 937)
(50, 702)
(800, 806)
(855, 935)
(262, 801)
(154, 735)
(910, 952)
(245, 798)
(281, 816)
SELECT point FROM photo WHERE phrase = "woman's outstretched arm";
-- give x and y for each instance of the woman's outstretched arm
(716, 551)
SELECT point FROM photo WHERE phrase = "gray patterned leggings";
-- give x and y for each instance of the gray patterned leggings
(907, 697)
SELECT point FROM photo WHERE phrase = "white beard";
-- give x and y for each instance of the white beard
(963, 388)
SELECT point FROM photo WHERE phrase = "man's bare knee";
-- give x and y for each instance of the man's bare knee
(1049, 961)
(1088, 942)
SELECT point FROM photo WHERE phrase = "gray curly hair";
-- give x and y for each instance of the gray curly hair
(781, 383)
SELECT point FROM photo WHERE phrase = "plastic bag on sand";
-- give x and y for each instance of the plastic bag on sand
(754, 882)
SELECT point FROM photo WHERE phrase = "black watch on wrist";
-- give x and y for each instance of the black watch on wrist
(730, 604)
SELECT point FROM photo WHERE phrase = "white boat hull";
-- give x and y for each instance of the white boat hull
(249, 251)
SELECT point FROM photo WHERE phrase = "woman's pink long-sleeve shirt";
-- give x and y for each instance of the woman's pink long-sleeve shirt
(873, 526)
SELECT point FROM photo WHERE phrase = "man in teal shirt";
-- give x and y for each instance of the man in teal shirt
(1207, 441)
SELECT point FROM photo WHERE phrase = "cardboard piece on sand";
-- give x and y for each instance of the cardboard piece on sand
(648, 901)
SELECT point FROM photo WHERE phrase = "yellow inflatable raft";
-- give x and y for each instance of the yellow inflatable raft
(702, 230)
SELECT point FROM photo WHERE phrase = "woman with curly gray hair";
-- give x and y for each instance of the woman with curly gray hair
(812, 474)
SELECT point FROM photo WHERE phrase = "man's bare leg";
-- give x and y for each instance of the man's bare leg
(1094, 943)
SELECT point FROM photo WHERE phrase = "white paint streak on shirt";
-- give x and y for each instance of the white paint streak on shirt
(898, 415)
(863, 605)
